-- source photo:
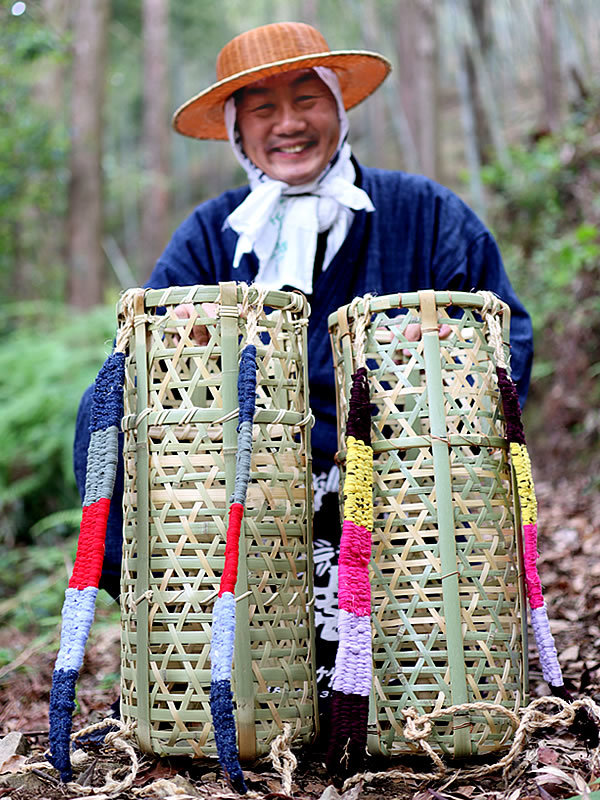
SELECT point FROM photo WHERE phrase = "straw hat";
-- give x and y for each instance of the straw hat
(265, 51)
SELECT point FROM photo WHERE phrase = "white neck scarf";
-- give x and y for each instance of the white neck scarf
(281, 222)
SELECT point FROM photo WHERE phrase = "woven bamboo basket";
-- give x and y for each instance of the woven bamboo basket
(180, 460)
(448, 605)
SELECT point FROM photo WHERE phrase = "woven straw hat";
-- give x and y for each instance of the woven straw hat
(265, 51)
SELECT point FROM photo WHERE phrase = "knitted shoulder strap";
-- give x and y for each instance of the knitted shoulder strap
(584, 724)
(80, 597)
(353, 672)
(521, 463)
(223, 621)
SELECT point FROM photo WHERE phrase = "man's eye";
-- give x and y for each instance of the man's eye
(263, 107)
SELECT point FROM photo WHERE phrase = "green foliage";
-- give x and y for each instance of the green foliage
(546, 216)
(33, 580)
(48, 356)
(33, 160)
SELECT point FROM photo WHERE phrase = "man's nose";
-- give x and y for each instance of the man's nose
(289, 120)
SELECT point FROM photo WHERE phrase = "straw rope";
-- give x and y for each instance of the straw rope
(362, 322)
(283, 760)
(117, 739)
(418, 728)
(129, 319)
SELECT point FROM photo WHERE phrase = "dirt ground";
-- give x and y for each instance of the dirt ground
(552, 765)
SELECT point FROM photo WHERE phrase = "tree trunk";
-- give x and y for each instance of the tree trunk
(419, 85)
(156, 134)
(377, 150)
(469, 122)
(550, 65)
(479, 11)
(85, 191)
(49, 88)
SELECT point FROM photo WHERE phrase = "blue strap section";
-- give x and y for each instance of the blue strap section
(221, 706)
(247, 384)
(62, 705)
(107, 402)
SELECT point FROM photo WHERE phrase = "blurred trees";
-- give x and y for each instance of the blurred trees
(417, 52)
(156, 132)
(86, 197)
(33, 163)
(92, 180)
(469, 75)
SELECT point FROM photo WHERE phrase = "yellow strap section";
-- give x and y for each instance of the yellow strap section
(522, 466)
(358, 486)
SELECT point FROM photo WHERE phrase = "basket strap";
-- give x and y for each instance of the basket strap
(521, 466)
(353, 673)
(224, 640)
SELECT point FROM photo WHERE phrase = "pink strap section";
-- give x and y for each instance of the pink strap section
(532, 579)
(354, 588)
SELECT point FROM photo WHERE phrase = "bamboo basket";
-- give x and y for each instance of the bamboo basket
(179, 454)
(448, 604)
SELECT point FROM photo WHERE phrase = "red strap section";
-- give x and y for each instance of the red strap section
(90, 550)
(232, 549)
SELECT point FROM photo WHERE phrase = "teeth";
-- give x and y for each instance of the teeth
(295, 149)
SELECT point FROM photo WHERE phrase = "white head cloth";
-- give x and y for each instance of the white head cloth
(281, 222)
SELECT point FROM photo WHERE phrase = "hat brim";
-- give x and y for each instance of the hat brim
(359, 72)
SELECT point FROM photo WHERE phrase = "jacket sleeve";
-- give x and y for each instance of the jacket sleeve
(480, 268)
(186, 259)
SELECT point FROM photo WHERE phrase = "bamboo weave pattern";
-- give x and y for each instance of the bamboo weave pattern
(447, 602)
(181, 444)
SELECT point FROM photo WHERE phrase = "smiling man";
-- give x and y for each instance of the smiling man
(314, 219)
(289, 126)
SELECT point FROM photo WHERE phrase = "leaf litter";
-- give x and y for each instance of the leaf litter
(554, 765)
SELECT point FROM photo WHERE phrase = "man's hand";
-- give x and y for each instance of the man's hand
(412, 332)
(200, 333)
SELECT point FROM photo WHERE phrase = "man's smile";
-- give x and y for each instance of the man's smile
(292, 148)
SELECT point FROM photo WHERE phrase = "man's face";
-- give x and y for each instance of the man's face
(289, 125)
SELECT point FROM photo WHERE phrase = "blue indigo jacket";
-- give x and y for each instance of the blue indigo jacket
(420, 236)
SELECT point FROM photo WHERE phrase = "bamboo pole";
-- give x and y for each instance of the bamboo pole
(244, 684)
(445, 513)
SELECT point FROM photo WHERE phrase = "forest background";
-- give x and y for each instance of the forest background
(498, 100)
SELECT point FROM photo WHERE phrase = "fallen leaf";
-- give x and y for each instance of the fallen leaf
(13, 764)
(552, 774)
(177, 786)
(581, 784)
(157, 771)
(547, 756)
(330, 793)
(354, 792)
(13, 744)
(569, 653)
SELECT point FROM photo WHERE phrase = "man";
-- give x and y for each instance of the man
(314, 219)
